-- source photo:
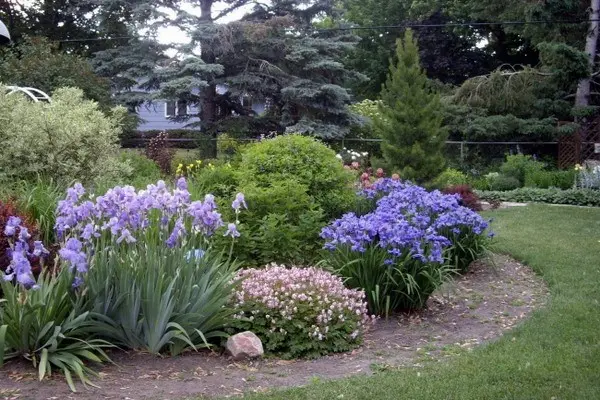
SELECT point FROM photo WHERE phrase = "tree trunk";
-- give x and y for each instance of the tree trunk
(582, 98)
(208, 108)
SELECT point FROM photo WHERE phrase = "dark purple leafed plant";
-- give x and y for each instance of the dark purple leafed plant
(407, 247)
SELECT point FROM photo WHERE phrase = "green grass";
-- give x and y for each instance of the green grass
(554, 355)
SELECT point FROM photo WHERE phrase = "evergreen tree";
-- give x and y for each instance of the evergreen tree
(272, 55)
(411, 122)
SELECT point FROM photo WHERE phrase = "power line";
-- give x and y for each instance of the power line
(457, 24)
(388, 27)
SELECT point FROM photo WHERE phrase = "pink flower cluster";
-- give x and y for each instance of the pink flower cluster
(312, 297)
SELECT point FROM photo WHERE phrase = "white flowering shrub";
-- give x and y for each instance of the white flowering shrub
(299, 312)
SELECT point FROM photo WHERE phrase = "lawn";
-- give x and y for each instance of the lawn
(554, 355)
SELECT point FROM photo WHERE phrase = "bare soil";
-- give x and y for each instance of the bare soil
(476, 308)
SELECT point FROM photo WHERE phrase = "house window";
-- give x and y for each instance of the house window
(246, 101)
(177, 108)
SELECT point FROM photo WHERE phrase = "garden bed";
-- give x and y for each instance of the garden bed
(472, 310)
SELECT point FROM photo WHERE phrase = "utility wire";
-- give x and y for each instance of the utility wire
(388, 27)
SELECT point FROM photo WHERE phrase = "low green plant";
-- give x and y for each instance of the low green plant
(451, 177)
(543, 179)
(502, 182)
(466, 247)
(50, 327)
(39, 198)
(143, 168)
(518, 166)
(576, 197)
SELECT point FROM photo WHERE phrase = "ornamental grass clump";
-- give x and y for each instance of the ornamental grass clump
(299, 312)
(407, 247)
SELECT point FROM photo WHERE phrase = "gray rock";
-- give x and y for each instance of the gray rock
(244, 345)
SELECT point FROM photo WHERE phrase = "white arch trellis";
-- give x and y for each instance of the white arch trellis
(34, 94)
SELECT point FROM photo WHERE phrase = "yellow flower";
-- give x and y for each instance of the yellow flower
(229, 165)
(180, 166)
(578, 167)
(198, 162)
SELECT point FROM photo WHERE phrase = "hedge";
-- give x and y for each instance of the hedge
(576, 197)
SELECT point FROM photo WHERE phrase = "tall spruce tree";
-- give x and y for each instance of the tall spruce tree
(411, 122)
(273, 55)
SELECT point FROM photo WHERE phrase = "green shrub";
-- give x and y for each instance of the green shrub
(451, 177)
(291, 311)
(546, 179)
(518, 166)
(144, 170)
(50, 327)
(305, 160)
(67, 139)
(221, 180)
(503, 182)
(282, 224)
(576, 197)
(228, 147)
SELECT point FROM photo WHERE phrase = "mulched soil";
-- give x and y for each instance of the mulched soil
(472, 310)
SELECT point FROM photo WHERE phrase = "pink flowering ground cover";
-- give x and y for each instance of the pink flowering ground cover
(300, 312)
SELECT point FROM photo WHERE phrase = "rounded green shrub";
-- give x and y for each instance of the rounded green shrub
(503, 183)
(451, 177)
(305, 160)
(68, 139)
(518, 166)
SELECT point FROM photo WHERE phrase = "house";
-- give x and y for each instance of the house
(160, 115)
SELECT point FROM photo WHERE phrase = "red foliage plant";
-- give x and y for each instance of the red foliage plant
(467, 197)
(159, 151)
(9, 209)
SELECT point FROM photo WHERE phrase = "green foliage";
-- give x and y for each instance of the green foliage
(543, 179)
(368, 110)
(575, 197)
(451, 177)
(413, 138)
(407, 284)
(160, 299)
(509, 127)
(65, 140)
(38, 63)
(282, 224)
(228, 147)
(39, 199)
(49, 327)
(219, 179)
(519, 165)
(302, 159)
(502, 182)
(466, 247)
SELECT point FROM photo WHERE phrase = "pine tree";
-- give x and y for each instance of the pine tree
(411, 123)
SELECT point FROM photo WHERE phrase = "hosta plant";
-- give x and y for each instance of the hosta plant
(299, 312)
